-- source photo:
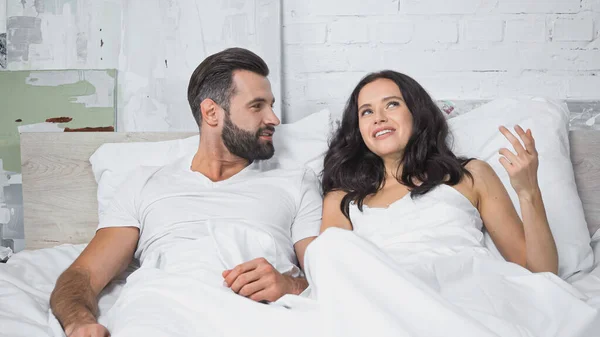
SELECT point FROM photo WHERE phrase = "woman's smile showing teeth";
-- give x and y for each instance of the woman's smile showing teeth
(382, 132)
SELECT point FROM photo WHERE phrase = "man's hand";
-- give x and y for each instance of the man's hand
(87, 330)
(260, 281)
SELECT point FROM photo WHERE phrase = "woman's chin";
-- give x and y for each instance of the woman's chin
(386, 154)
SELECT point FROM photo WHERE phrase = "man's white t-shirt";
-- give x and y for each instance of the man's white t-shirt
(256, 212)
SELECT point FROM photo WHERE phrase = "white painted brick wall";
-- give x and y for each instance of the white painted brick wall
(323, 59)
(338, 85)
(434, 7)
(532, 29)
(538, 6)
(572, 29)
(338, 8)
(479, 30)
(393, 32)
(443, 31)
(305, 33)
(349, 30)
(593, 5)
(459, 49)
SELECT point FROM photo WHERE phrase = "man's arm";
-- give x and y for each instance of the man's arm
(74, 299)
(258, 279)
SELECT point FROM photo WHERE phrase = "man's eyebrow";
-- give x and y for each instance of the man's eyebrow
(260, 100)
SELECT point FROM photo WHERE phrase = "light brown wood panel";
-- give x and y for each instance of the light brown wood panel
(59, 190)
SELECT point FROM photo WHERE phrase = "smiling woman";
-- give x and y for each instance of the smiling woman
(412, 130)
(414, 215)
(393, 142)
(384, 118)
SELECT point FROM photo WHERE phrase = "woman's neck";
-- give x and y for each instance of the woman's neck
(393, 167)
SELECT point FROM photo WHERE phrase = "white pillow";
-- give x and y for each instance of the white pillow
(298, 144)
(476, 135)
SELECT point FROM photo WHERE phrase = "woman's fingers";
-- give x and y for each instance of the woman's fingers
(513, 140)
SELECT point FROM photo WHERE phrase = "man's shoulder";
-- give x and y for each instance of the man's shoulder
(144, 172)
(172, 168)
(136, 179)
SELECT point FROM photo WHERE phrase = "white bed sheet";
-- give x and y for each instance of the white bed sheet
(28, 278)
(589, 283)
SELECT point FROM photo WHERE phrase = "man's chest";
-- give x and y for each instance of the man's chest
(263, 204)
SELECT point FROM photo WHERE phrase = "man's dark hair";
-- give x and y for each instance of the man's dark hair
(213, 77)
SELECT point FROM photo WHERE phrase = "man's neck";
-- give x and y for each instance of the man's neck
(215, 162)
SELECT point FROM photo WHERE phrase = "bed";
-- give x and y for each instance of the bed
(60, 202)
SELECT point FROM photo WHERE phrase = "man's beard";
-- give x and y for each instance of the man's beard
(246, 144)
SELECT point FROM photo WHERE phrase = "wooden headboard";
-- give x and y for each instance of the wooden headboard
(59, 190)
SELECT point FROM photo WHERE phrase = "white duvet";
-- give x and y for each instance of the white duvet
(180, 302)
(26, 282)
(437, 292)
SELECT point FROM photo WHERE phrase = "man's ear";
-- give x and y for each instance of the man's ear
(209, 110)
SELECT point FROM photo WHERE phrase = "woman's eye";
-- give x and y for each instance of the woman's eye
(365, 112)
(393, 104)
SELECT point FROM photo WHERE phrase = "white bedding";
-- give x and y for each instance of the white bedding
(405, 289)
(589, 283)
(28, 278)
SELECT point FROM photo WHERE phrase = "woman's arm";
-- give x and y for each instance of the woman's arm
(522, 169)
(332, 214)
(528, 242)
(498, 213)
